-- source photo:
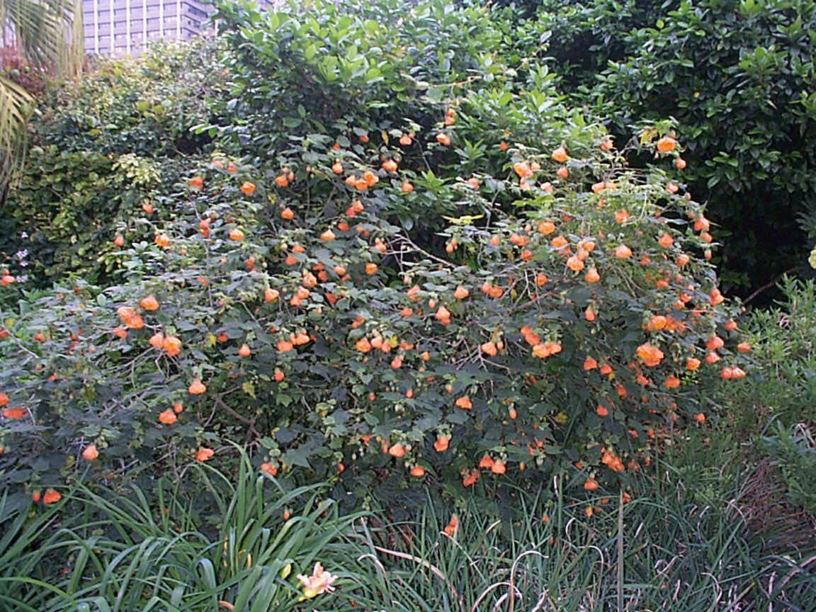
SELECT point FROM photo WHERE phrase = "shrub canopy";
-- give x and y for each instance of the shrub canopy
(738, 77)
(401, 257)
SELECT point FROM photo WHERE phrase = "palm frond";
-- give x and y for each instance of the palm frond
(38, 28)
(15, 108)
(48, 34)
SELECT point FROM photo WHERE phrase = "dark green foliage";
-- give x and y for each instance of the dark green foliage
(144, 107)
(99, 149)
(67, 212)
(739, 78)
(775, 412)
(353, 67)
(783, 383)
(500, 192)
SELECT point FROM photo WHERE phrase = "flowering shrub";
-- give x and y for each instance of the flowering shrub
(567, 328)
(478, 291)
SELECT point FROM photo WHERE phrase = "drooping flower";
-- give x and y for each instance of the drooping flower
(51, 497)
(453, 526)
(650, 355)
(204, 454)
(318, 583)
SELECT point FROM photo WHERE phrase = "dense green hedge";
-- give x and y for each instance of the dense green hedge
(737, 77)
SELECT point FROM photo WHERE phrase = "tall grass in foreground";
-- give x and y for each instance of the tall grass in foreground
(677, 555)
(681, 544)
(236, 545)
(240, 543)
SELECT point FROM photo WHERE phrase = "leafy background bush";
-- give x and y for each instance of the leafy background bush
(774, 412)
(738, 77)
(99, 149)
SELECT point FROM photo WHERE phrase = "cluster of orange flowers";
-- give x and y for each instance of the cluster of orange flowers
(577, 255)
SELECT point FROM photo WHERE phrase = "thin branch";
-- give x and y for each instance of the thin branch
(410, 243)
(769, 284)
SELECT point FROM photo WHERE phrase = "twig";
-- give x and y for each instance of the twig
(410, 243)
(22, 347)
(769, 284)
(240, 417)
